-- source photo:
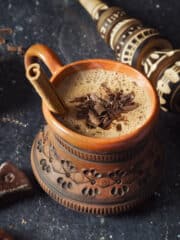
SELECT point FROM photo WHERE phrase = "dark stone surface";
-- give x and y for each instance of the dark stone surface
(64, 26)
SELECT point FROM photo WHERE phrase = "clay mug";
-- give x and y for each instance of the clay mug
(102, 176)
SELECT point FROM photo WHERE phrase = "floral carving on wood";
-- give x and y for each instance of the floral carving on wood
(93, 182)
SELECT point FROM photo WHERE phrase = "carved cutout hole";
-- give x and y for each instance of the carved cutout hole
(9, 178)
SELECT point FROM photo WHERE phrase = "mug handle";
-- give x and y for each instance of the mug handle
(38, 78)
(45, 54)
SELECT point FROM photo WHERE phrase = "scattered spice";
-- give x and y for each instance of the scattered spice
(6, 30)
(20, 50)
(10, 48)
(100, 112)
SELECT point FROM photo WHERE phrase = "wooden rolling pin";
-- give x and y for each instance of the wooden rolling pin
(45, 89)
(140, 47)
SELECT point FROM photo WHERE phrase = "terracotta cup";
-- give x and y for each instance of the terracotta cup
(95, 175)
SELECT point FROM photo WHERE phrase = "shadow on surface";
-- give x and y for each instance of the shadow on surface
(15, 91)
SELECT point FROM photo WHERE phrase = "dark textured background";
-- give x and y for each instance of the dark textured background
(64, 26)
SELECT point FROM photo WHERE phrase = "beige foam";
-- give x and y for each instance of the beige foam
(90, 81)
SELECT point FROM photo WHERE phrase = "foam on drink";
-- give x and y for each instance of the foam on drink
(90, 81)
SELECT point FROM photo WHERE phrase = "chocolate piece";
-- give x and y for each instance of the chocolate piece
(99, 108)
(130, 107)
(106, 122)
(118, 127)
(4, 235)
(99, 112)
(82, 112)
(93, 120)
(12, 181)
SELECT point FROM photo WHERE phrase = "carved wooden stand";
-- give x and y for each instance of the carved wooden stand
(95, 183)
(140, 47)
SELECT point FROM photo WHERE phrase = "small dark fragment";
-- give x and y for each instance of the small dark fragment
(106, 122)
(12, 182)
(82, 112)
(119, 127)
(4, 235)
(105, 88)
(100, 112)
(130, 107)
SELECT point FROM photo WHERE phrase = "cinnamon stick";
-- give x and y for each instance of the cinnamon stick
(45, 89)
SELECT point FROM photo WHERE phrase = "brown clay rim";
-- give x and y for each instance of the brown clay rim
(103, 144)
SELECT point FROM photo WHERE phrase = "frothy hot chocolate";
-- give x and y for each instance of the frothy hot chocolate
(103, 89)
